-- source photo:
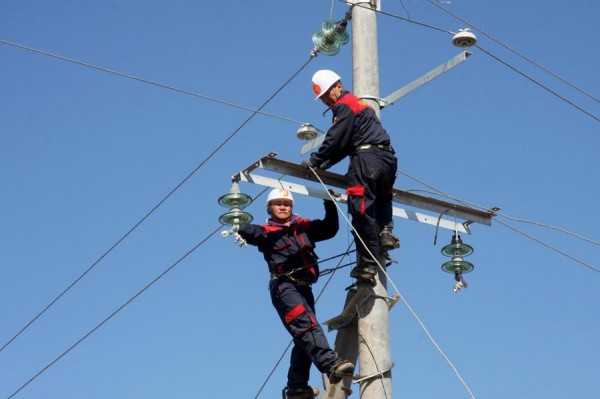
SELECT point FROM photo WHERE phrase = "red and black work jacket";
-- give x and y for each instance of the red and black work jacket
(289, 247)
(354, 124)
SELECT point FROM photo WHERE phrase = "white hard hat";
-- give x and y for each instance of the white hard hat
(278, 193)
(322, 81)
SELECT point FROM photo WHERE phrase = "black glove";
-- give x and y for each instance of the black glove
(325, 164)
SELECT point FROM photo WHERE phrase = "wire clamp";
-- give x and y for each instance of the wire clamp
(233, 232)
(380, 101)
(380, 374)
(390, 300)
(460, 282)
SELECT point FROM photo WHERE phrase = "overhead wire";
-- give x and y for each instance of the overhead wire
(400, 296)
(551, 227)
(550, 247)
(325, 272)
(400, 17)
(145, 81)
(379, 372)
(514, 229)
(313, 54)
(113, 314)
(289, 345)
(538, 83)
(126, 303)
(513, 50)
(255, 111)
(405, 9)
(411, 310)
(337, 256)
(491, 55)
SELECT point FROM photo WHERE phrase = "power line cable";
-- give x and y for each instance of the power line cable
(126, 303)
(325, 272)
(380, 374)
(405, 9)
(114, 313)
(577, 235)
(437, 191)
(400, 17)
(400, 296)
(287, 348)
(495, 57)
(273, 369)
(514, 229)
(538, 83)
(163, 200)
(551, 227)
(145, 81)
(550, 247)
(337, 256)
(513, 50)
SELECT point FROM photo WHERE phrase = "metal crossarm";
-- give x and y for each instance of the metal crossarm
(286, 168)
(401, 92)
(428, 77)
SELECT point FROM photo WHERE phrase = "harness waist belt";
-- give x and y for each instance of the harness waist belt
(385, 147)
(287, 277)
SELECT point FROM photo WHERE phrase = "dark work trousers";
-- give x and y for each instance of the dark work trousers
(295, 305)
(371, 176)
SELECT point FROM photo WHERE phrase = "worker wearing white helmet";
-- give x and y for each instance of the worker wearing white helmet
(280, 204)
(357, 132)
(287, 242)
(323, 80)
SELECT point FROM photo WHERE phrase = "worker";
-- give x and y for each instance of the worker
(287, 243)
(358, 133)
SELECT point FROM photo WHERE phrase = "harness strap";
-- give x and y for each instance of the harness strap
(385, 147)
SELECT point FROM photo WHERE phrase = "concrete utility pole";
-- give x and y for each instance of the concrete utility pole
(373, 326)
(370, 336)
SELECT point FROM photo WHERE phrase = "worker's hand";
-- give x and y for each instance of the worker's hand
(326, 164)
(239, 239)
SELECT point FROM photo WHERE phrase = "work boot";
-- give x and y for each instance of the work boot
(364, 275)
(300, 393)
(388, 240)
(339, 370)
(365, 270)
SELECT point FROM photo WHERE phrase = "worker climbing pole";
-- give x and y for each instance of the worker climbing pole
(287, 242)
(358, 133)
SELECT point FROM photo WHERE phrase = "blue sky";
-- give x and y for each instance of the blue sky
(84, 155)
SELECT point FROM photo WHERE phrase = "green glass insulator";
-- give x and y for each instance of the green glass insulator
(457, 249)
(325, 45)
(235, 200)
(328, 27)
(235, 216)
(342, 38)
(457, 265)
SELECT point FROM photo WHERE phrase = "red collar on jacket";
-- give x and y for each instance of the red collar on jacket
(273, 225)
(353, 102)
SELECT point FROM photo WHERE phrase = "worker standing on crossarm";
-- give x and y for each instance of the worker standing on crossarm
(287, 243)
(358, 133)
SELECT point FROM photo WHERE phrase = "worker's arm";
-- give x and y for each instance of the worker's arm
(326, 228)
(252, 233)
(338, 140)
